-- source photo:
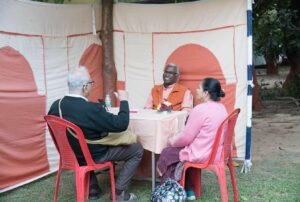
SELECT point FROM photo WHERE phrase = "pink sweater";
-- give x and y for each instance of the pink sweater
(198, 135)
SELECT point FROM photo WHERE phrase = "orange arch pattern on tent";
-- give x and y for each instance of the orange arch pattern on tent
(22, 126)
(92, 59)
(196, 63)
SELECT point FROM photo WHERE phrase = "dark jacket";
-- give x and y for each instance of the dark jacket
(94, 121)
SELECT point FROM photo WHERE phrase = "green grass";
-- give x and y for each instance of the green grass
(269, 180)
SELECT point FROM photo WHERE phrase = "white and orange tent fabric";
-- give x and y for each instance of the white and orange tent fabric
(40, 43)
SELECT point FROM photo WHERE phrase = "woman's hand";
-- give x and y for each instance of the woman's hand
(170, 141)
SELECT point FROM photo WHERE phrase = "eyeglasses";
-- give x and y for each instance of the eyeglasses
(89, 82)
(168, 72)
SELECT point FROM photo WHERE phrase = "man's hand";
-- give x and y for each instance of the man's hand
(121, 95)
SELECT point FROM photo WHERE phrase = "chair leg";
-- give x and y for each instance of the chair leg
(57, 184)
(196, 175)
(234, 188)
(182, 180)
(86, 184)
(80, 186)
(112, 182)
(222, 183)
(197, 181)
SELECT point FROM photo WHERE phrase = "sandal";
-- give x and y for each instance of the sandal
(121, 197)
(190, 195)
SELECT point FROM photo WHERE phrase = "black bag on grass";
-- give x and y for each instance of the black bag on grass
(169, 191)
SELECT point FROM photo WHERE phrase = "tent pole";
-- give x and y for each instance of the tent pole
(247, 163)
(106, 35)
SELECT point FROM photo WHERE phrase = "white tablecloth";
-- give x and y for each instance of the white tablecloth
(153, 129)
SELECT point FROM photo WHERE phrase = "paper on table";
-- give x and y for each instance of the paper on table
(133, 110)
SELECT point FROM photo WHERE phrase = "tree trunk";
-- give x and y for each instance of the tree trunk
(293, 55)
(106, 36)
(256, 99)
(272, 67)
(294, 60)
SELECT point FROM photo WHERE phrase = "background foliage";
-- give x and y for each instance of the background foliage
(276, 27)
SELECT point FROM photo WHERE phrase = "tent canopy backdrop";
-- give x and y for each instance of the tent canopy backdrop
(40, 43)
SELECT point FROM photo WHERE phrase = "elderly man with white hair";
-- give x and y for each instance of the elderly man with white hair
(96, 122)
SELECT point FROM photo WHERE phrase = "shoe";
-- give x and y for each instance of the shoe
(235, 164)
(94, 192)
(121, 197)
(190, 195)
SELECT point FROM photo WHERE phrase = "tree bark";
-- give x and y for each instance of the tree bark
(256, 99)
(272, 67)
(294, 60)
(106, 36)
(293, 54)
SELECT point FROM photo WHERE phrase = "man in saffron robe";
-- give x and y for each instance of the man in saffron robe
(180, 97)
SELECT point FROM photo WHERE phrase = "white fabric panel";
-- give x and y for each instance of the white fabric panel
(241, 90)
(138, 68)
(47, 19)
(179, 17)
(56, 71)
(56, 68)
(219, 42)
(32, 49)
(250, 48)
(43, 41)
(220, 27)
(119, 55)
(77, 45)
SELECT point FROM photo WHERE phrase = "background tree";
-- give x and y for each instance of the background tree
(292, 45)
(276, 30)
(267, 37)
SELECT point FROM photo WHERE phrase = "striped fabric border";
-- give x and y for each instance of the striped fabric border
(247, 163)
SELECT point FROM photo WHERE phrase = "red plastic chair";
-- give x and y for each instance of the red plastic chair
(68, 160)
(217, 166)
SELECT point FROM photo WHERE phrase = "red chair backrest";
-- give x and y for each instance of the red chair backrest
(228, 127)
(58, 130)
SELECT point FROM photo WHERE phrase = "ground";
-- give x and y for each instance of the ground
(276, 131)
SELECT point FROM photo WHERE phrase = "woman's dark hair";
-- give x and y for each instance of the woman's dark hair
(213, 87)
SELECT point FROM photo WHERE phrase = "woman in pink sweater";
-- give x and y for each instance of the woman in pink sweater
(195, 142)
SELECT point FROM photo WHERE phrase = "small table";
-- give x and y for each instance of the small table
(153, 129)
